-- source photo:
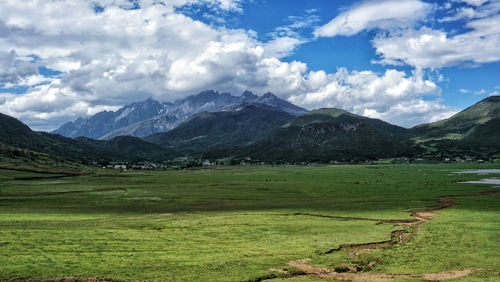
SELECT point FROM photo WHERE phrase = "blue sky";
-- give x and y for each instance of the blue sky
(404, 61)
(356, 51)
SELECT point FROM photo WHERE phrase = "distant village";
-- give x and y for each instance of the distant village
(191, 163)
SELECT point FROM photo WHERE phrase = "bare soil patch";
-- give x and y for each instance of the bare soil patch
(397, 237)
(447, 275)
(327, 273)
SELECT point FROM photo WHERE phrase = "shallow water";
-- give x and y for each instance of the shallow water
(479, 171)
(494, 181)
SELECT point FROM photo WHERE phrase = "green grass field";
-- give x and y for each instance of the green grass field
(244, 223)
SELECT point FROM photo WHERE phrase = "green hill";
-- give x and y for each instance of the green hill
(223, 133)
(134, 148)
(332, 134)
(16, 134)
(327, 115)
(473, 131)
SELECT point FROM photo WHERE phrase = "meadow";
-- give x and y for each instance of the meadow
(247, 223)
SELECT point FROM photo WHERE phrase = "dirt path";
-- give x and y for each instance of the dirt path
(326, 273)
(397, 237)
(396, 221)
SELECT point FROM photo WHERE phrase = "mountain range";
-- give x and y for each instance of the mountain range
(149, 117)
(263, 128)
(223, 133)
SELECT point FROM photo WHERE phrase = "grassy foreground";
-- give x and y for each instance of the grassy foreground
(241, 223)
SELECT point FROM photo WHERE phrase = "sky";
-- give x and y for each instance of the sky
(403, 61)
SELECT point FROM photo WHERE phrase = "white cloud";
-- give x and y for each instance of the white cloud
(427, 48)
(480, 92)
(118, 56)
(370, 14)
(463, 91)
(478, 43)
(15, 71)
(474, 2)
(227, 5)
(415, 111)
(281, 47)
(296, 25)
(401, 44)
(393, 96)
(461, 13)
(285, 39)
(231, 5)
(476, 11)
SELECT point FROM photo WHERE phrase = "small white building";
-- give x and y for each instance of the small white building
(120, 167)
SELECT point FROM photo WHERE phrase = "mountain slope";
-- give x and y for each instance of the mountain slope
(130, 147)
(331, 134)
(161, 123)
(104, 122)
(461, 123)
(327, 115)
(475, 130)
(220, 134)
(17, 134)
(204, 101)
(272, 100)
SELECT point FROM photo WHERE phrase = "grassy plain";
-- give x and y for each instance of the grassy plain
(242, 223)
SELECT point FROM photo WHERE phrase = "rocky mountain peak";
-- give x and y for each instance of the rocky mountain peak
(269, 97)
(151, 116)
(248, 96)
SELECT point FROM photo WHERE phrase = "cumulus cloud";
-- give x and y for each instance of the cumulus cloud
(14, 71)
(415, 111)
(461, 13)
(478, 43)
(475, 10)
(474, 2)
(234, 5)
(121, 53)
(428, 48)
(227, 5)
(282, 46)
(399, 43)
(393, 96)
(370, 14)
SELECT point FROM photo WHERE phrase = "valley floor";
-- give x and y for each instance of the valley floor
(374, 222)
